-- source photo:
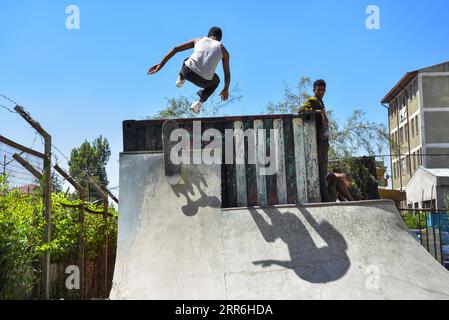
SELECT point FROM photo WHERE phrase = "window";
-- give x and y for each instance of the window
(415, 156)
(404, 166)
(416, 125)
(406, 132)
(403, 114)
(413, 127)
(395, 170)
(407, 163)
(393, 107)
(426, 204)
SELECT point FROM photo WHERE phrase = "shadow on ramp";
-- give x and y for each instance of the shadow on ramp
(309, 262)
(193, 179)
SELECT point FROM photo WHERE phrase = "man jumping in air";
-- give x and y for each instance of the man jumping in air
(200, 67)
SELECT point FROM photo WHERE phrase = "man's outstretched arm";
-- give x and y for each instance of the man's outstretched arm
(182, 47)
(227, 73)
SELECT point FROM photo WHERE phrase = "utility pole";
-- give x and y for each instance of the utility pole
(46, 197)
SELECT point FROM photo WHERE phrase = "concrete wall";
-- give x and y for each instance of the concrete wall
(436, 91)
(437, 127)
(438, 161)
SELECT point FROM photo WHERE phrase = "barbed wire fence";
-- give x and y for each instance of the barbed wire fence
(26, 170)
(17, 177)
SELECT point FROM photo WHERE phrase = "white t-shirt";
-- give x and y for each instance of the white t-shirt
(206, 56)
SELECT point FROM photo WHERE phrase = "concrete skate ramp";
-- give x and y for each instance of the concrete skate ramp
(177, 243)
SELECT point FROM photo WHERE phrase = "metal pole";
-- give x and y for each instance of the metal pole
(27, 166)
(399, 144)
(22, 148)
(106, 245)
(47, 213)
(81, 262)
(104, 196)
(81, 249)
(46, 196)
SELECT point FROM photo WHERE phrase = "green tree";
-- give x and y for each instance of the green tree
(90, 159)
(180, 107)
(293, 98)
(21, 239)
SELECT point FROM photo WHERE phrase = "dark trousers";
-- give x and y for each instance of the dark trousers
(323, 150)
(209, 86)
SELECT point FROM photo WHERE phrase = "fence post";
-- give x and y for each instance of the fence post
(46, 196)
(27, 166)
(81, 253)
(106, 245)
(104, 196)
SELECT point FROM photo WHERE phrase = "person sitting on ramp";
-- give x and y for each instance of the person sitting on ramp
(338, 186)
(200, 67)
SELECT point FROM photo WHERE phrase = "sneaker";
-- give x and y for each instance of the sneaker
(196, 106)
(180, 82)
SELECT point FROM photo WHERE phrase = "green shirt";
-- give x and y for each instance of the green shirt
(312, 104)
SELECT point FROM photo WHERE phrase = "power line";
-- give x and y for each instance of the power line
(7, 109)
(60, 152)
(9, 99)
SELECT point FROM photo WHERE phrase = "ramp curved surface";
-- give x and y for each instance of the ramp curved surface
(177, 243)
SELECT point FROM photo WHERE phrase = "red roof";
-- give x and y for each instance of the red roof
(401, 85)
(26, 188)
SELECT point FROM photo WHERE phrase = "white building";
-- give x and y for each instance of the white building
(428, 188)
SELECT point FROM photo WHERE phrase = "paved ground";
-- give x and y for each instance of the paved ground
(177, 243)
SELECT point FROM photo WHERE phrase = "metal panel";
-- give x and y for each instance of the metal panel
(290, 168)
(260, 151)
(251, 177)
(240, 165)
(311, 158)
(270, 179)
(280, 161)
(300, 160)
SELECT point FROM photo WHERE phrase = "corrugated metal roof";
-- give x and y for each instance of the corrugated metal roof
(439, 172)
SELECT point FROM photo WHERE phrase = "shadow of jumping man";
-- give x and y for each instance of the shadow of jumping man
(193, 179)
(309, 262)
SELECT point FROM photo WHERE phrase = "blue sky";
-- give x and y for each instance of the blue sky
(82, 83)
